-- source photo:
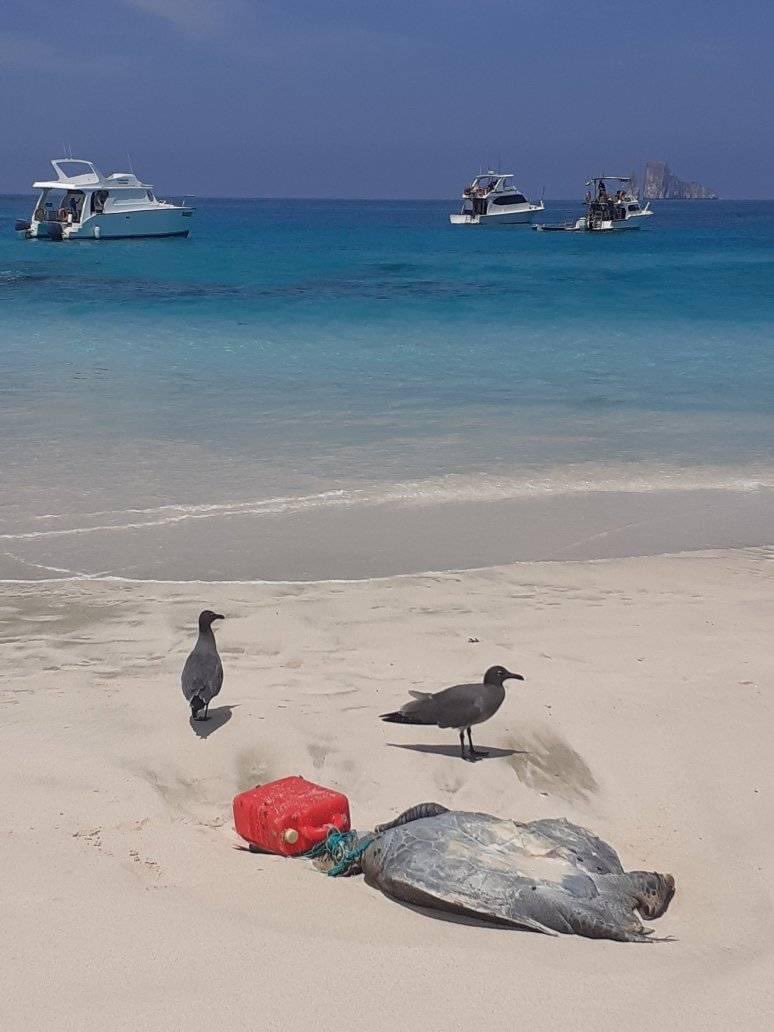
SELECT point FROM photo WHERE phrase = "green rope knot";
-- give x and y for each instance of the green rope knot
(341, 848)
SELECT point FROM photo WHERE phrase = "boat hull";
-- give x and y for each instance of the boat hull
(603, 226)
(516, 218)
(617, 226)
(122, 225)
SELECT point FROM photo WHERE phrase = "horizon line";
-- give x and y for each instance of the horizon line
(407, 200)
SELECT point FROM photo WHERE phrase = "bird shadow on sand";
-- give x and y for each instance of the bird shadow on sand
(492, 753)
(217, 718)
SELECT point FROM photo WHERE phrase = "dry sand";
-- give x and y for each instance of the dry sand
(127, 903)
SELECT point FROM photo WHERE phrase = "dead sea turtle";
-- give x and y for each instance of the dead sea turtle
(548, 875)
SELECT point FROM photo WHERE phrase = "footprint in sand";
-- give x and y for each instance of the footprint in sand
(319, 752)
(253, 767)
(197, 799)
(449, 781)
(92, 837)
(148, 865)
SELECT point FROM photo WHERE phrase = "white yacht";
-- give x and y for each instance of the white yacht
(82, 204)
(492, 200)
(606, 211)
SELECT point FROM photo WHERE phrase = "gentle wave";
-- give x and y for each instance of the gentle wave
(451, 488)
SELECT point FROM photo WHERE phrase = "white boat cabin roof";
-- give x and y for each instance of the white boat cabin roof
(88, 179)
(499, 176)
(601, 179)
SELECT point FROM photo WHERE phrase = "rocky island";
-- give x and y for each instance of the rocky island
(661, 184)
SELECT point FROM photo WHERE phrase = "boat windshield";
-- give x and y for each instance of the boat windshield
(80, 173)
(482, 185)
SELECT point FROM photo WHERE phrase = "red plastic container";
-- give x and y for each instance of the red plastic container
(289, 816)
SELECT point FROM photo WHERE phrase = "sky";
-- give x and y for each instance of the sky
(396, 98)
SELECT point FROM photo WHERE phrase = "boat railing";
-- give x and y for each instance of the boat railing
(603, 210)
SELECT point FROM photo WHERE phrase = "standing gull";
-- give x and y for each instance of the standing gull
(459, 707)
(202, 676)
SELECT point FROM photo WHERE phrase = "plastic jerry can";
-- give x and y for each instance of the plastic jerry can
(289, 816)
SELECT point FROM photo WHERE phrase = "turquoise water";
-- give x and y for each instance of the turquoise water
(304, 354)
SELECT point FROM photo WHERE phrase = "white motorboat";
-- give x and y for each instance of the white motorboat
(82, 204)
(606, 212)
(492, 200)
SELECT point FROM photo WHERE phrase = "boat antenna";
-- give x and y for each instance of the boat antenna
(129, 159)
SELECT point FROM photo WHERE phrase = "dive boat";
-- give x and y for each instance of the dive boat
(606, 212)
(492, 200)
(82, 204)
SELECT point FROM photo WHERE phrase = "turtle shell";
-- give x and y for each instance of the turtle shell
(548, 876)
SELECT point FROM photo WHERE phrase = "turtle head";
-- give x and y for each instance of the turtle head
(498, 674)
(653, 893)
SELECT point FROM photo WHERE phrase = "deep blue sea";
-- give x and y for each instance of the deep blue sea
(297, 356)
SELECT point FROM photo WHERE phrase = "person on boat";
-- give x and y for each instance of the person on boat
(68, 208)
(74, 206)
(602, 190)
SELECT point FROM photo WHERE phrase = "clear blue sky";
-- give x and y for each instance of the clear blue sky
(398, 98)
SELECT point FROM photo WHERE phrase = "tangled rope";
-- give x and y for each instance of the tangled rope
(342, 848)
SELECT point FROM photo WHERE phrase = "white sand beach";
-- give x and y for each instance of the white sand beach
(646, 715)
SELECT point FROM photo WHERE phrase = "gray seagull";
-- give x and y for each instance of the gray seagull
(202, 676)
(460, 706)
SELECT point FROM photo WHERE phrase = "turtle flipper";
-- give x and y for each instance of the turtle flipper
(493, 912)
(465, 903)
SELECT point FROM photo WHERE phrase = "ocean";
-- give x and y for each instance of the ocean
(333, 389)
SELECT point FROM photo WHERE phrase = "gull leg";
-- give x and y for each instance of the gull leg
(475, 752)
(462, 744)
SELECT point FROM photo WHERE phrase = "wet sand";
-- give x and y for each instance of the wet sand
(336, 540)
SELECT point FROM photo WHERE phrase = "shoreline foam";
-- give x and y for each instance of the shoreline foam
(352, 542)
